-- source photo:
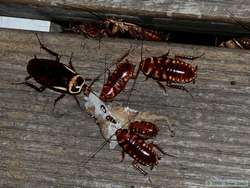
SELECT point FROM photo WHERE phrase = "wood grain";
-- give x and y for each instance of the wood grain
(41, 148)
(181, 15)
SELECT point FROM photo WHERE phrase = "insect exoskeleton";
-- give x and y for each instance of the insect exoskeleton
(115, 28)
(144, 129)
(168, 69)
(172, 71)
(54, 75)
(242, 43)
(122, 29)
(138, 149)
(142, 152)
(117, 81)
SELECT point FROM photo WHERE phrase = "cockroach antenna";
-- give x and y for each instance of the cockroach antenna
(89, 10)
(237, 20)
(135, 76)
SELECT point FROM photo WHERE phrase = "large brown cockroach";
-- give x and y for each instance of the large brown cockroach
(117, 81)
(143, 129)
(54, 75)
(138, 149)
(170, 70)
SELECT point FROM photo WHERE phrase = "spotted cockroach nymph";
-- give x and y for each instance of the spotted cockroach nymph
(138, 149)
(172, 71)
(117, 81)
(54, 75)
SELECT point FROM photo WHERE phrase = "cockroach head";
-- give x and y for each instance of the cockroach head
(76, 85)
(122, 134)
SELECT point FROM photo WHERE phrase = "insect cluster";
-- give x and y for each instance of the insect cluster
(115, 28)
(117, 128)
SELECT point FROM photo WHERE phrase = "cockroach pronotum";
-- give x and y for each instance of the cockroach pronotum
(138, 149)
(117, 81)
(173, 71)
(54, 75)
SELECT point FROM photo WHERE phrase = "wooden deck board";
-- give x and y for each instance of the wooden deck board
(44, 149)
(190, 16)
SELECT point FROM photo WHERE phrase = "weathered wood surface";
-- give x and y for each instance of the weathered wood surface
(39, 148)
(189, 16)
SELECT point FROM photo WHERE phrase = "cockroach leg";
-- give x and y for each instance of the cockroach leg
(77, 101)
(179, 87)
(70, 62)
(39, 89)
(161, 86)
(172, 132)
(163, 152)
(28, 77)
(57, 99)
(166, 54)
(188, 57)
(137, 167)
(42, 46)
(123, 156)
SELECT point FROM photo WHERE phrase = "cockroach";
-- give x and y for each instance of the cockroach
(54, 75)
(117, 81)
(115, 28)
(238, 42)
(143, 129)
(119, 28)
(132, 141)
(138, 149)
(173, 71)
(242, 43)
(91, 30)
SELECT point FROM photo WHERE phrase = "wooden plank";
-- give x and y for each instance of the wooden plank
(40, 148)
(189, 16)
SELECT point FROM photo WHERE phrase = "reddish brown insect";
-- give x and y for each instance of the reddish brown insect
(170, 70)
(92, 29)
(242, 43)
(118, 80)
(138, 149)
(239, 42)
(143, 129)
(115, 28)
(118, 28)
